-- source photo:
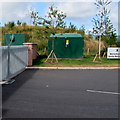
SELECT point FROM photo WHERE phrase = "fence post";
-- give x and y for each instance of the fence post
(88, 51)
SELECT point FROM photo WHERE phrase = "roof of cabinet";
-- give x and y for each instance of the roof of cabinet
(66, 35)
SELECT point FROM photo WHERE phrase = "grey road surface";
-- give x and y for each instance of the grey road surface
(62, 94)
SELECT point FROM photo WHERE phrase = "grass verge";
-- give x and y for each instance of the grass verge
(86, 61)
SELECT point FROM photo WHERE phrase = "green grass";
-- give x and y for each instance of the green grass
(86, 61)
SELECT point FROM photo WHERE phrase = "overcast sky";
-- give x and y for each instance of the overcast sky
(78, 12)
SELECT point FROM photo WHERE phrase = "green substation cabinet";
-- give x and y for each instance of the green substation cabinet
(66, 45)
(18, 38)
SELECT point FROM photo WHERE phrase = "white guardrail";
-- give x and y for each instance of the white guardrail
(14, 62)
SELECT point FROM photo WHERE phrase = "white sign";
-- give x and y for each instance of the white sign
(113, 53)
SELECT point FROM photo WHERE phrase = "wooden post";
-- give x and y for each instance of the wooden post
(95, 57)
(99, 46)
(88, 51)
(49, 56)
(104, 54)
(53, 56)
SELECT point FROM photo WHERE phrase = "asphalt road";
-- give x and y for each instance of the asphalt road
(62, 94)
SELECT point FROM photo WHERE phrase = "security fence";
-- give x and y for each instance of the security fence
(12, 60)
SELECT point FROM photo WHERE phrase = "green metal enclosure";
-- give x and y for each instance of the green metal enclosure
(19, 38)
(67, 45)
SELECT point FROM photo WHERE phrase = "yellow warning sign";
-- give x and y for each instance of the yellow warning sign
(67, 42)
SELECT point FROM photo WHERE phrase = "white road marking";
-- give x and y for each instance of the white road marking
(105, 92)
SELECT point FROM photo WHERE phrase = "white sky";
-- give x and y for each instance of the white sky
(79, 12)
(52, 0)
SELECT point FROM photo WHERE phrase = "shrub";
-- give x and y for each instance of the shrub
(38, 34)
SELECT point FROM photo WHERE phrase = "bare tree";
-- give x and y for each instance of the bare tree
(102, 22)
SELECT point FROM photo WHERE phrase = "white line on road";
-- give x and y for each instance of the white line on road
(105, 92)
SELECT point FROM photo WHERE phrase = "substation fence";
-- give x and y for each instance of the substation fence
(12, 60)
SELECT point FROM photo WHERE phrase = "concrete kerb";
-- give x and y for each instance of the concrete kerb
(75, 68)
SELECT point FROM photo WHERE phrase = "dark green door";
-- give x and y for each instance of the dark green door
(74, 49)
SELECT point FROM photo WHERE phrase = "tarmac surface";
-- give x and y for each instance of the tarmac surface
(62, 94)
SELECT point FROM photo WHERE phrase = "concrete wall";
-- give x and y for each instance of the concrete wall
(17, 62)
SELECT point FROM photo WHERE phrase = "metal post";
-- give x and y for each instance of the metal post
(9, 80)
(8, 74)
